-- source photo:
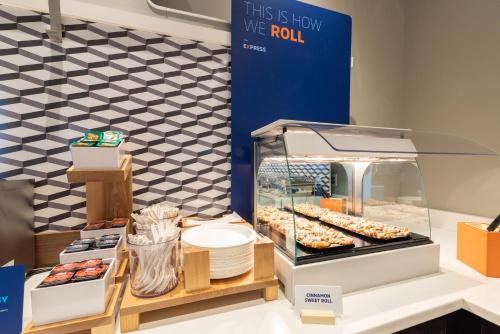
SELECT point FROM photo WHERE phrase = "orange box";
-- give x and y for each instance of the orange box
(334, 204)
(478, 248)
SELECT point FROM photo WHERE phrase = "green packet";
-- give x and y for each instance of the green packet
(92, 136)
(111, 136)
(82, 143)
(114, 143)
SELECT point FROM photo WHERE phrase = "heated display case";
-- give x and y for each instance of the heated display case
(327, 191)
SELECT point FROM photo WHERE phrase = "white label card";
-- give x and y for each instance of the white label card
(318, 297)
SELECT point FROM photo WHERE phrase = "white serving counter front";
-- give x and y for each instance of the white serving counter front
(383, 309)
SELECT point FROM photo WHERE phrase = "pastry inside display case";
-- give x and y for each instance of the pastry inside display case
(325, 191)
(309, 233)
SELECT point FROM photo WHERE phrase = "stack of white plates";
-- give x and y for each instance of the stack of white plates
(230, 247)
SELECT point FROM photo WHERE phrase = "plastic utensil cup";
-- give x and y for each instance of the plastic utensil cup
(153, 268)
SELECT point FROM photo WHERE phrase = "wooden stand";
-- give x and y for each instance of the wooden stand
(319, 317)
(98, 324)
(123, 269)
(195, 284)
(109, 191)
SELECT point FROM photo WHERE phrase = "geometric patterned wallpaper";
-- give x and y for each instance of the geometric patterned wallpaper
(170, 96)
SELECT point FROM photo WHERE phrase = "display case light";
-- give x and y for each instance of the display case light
(323, 159)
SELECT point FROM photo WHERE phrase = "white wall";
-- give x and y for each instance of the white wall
(378, 48)
(452, 85)
(432, 65)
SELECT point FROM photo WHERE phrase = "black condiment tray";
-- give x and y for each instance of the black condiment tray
(328, 249)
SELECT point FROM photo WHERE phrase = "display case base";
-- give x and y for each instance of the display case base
(97, 324)
(359, 272)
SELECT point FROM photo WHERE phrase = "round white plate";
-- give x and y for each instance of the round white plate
(232, 260)
(219, 236)
(232, 265)
(229, 273)
(230, 247)
(225, 253)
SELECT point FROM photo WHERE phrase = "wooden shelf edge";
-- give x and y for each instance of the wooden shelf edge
(120, 274)
(100, 175)
(162, 302)
(80, 324)
(185, 219)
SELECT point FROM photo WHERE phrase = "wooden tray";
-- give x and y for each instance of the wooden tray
(195, 284)
(185, 225)
(108, 191)
(98, 324)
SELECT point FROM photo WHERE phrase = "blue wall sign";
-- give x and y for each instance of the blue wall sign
(11, 299)
(290, 60)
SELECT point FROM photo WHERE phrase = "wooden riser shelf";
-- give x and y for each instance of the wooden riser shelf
(195, 285)
(132, 307)
(108, 191)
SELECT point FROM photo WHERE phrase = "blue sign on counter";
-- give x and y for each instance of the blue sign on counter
(290, 60)
(11, 299)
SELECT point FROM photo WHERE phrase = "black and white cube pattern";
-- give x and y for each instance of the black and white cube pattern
(170, 96)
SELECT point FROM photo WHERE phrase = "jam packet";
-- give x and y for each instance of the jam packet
(92, 136)
(91, 263)
(108, 143)
(81, 143)
(88, 274)
(57, 279)
(87, 241)
(110, 237)
(94, 227)
(112, 136)
(119, 222)
(65, 267)
(104, 268)
(77, 248)
(106, 243)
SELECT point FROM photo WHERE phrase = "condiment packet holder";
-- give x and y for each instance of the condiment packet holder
(73, 300)
(97, 157)
(105, 253)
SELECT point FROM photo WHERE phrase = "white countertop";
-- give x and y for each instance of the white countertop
(383, 309)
